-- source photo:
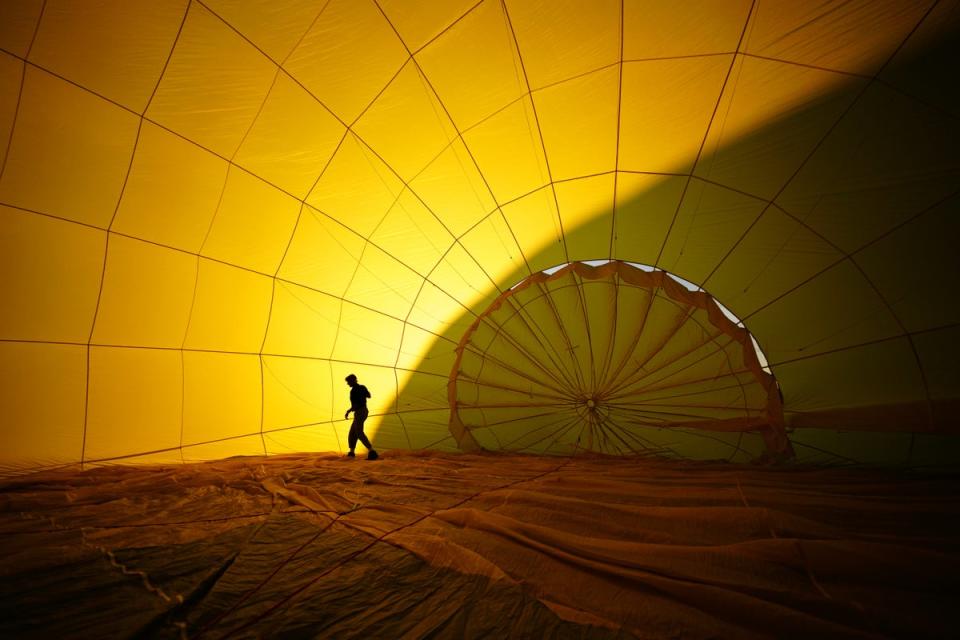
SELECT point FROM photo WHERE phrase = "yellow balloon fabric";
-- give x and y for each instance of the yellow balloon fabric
(212, 211)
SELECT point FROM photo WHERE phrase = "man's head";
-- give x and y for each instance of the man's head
(351, 379)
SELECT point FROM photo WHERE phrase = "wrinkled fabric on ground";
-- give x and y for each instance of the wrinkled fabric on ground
(445, 545)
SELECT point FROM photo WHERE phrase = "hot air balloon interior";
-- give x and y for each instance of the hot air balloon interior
(655, 304)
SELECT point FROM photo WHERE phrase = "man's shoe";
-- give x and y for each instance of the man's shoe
(351, 454)
(372, 455)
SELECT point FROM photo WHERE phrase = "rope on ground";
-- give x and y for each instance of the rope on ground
(743, 497)
(144, 578)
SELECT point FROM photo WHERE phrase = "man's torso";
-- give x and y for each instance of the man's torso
(358, 397)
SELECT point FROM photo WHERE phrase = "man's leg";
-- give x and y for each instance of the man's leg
(358, 421)
(352, 436)
(357, 430)
(363, 438)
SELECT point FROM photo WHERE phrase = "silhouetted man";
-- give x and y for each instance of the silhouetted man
(358, 404)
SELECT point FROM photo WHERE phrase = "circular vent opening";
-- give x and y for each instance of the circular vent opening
(594, 355)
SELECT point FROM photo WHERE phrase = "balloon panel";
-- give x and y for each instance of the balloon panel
(212, 213)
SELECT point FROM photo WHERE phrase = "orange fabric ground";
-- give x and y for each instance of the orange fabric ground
(445, 545)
